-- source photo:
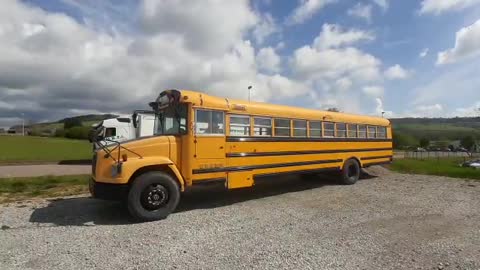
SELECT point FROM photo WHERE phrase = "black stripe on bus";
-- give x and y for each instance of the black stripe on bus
(263, 166)
(266, 175)
(295, 139)
(307, 152)
(210, 181)
(376, 157)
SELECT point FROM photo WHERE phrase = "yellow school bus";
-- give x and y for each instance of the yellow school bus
(201, 139)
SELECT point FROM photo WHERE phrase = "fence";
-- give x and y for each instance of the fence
(439, 155)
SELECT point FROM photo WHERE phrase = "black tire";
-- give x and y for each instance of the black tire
(153, 196)
(350, 172)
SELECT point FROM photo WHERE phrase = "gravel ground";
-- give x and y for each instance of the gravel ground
(393, 221)
(42, 170)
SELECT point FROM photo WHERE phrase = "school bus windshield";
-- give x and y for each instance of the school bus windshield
(172, 120)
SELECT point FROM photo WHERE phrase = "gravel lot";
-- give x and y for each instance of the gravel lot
(393, 221)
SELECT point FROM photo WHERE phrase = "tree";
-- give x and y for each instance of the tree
(402, 141)
(72, 122)
(333, 109)
(424, 142)
(467, 142)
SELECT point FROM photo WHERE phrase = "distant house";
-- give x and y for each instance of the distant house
(18, 129)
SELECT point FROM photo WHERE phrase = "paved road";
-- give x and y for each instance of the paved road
(42, 170)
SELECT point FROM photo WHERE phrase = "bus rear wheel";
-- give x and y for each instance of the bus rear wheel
(153, 196)
(350, 172)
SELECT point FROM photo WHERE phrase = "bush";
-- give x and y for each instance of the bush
(78, 133)
(72, 122)
(403, 141)
(59, 132)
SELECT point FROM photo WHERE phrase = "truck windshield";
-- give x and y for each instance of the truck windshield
(172, 120)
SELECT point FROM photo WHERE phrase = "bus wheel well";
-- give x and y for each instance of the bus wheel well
(356, 159)
(160, 168)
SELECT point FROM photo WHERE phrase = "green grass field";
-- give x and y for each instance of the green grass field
(17, 189)
(442, 167)
(18, 149)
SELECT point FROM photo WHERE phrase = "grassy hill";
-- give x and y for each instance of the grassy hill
(438, 128)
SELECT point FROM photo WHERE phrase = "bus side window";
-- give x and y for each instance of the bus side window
(372, 132)
(352, 131)
(328, 129)
(315, 129)
(299, 128)
(381, 132)
(262, 126)
(209, 122)
(282, 128)
(239, 125)
(362, 131)
(341, 130)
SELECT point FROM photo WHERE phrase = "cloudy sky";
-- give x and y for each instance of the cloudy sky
(61, 58)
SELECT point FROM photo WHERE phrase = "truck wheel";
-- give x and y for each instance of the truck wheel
(153, 196)
(350, 172)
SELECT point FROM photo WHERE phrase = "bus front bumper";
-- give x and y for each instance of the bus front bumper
(105, 191)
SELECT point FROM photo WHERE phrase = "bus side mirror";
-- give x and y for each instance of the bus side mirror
(134, 120)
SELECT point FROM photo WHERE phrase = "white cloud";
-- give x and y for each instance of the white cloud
(437, 7)
(423, 53)
(380, 110)
(333, 63)
(205, 26)
(52, 67)
(335, 69)
(361, 11)
(306, 10)
(396, 72)
(333, 36)
(382, 3)
(265, 28)
(268, 60)
(373, 91)
(430, 110)
(467, 45)
(470, 111)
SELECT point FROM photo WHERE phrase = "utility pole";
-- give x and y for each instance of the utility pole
(383, 114)
(249, 92)
(23, 124)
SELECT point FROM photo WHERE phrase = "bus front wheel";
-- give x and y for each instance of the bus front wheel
(350, 172)
(153, 196)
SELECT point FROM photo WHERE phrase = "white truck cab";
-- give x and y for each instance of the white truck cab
(122, 128)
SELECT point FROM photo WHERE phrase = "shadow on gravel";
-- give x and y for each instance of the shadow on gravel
(87, 211)
(218, 196)
(81, 212)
